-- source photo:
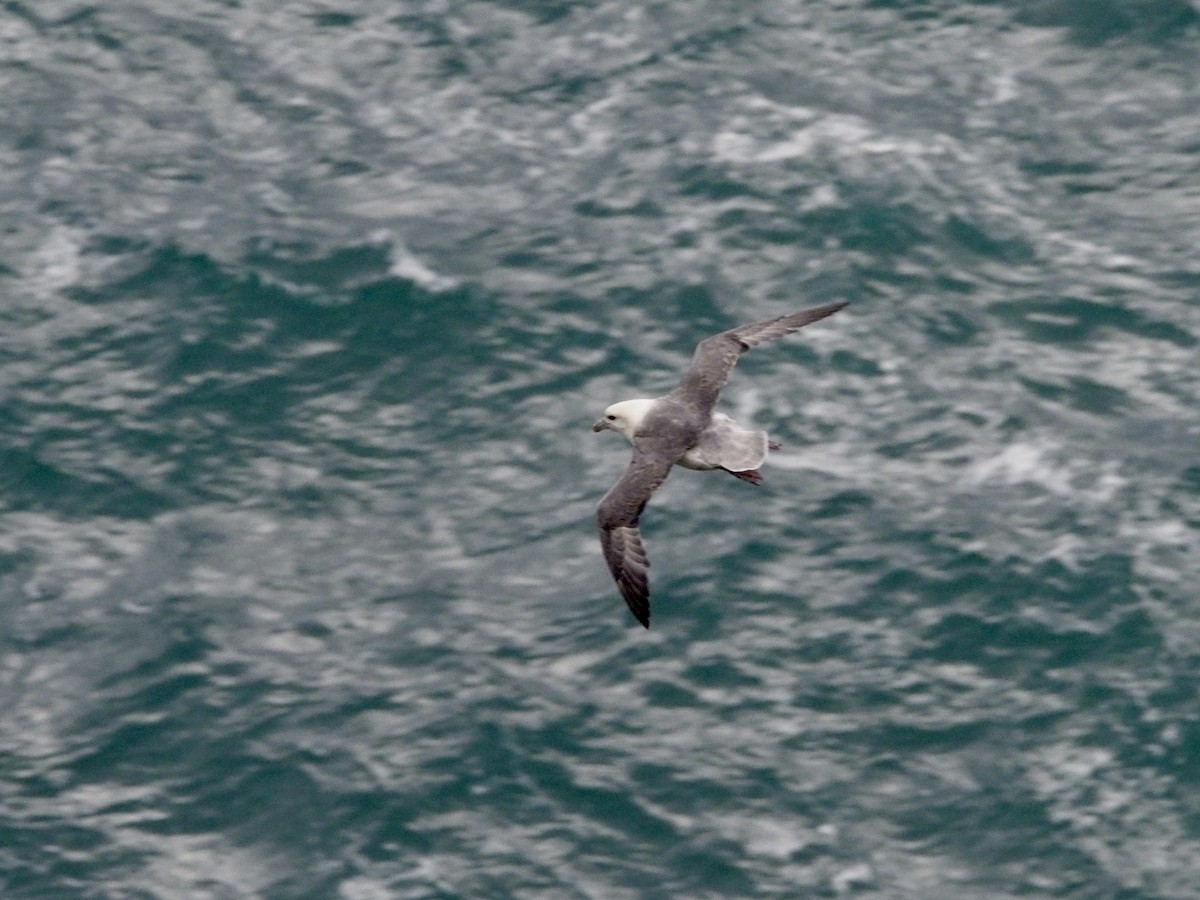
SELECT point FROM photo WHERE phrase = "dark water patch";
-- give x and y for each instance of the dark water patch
(886, 229)
(997, 646)
(239, 354)
(906, 9)
(139, 735)
(904, 738)
(1043, 619)
(1183, 757)
(854, 363)
(1073, 176)
(1094, 22)
(757, 230)
(86, 24)
(1018, 839)
(953, 328)
(28, 482)
(385, 825)
(720, 672)
(544, 12)
(718, 39)
(125, 750)
(66, 855)
(668, 694)
(975, 239)
(937, 441)
(252, 320)
(1083, 394)
(1183, 496)
(332, 19)
(823, 648)
(535, 253)
(844, 503)
(1090, 187)
(710, 869)
(1051, 168)
(1074, 320)
(1187, 278)
(1123, 723)
(612, 808)
(273, 804)
(325, 277)
(712, 183)
(641, 208)
(699, 307)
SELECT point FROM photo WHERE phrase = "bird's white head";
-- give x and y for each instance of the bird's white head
(625, 417)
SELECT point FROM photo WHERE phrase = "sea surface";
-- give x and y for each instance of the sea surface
(306, 310)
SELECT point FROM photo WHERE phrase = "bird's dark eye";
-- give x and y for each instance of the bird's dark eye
(611, 418)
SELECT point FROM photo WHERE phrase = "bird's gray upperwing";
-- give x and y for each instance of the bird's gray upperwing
(617, 515)
(715, 356)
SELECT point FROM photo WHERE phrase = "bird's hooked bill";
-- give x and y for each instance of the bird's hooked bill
(599, 426)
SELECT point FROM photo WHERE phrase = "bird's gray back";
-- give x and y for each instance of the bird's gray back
(672, 426)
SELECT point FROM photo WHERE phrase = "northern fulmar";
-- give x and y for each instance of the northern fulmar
(682, 429)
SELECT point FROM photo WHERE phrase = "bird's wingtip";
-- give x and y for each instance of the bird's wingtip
(640, 607)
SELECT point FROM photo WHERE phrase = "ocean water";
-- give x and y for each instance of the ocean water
(306, 310)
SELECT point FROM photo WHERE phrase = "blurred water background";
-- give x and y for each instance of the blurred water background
(306, 308)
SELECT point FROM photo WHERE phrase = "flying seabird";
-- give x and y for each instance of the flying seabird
(681, 428)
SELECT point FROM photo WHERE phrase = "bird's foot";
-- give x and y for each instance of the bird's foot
(774, 445)
(751, 475)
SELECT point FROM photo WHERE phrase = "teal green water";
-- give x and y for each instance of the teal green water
(307, 312)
